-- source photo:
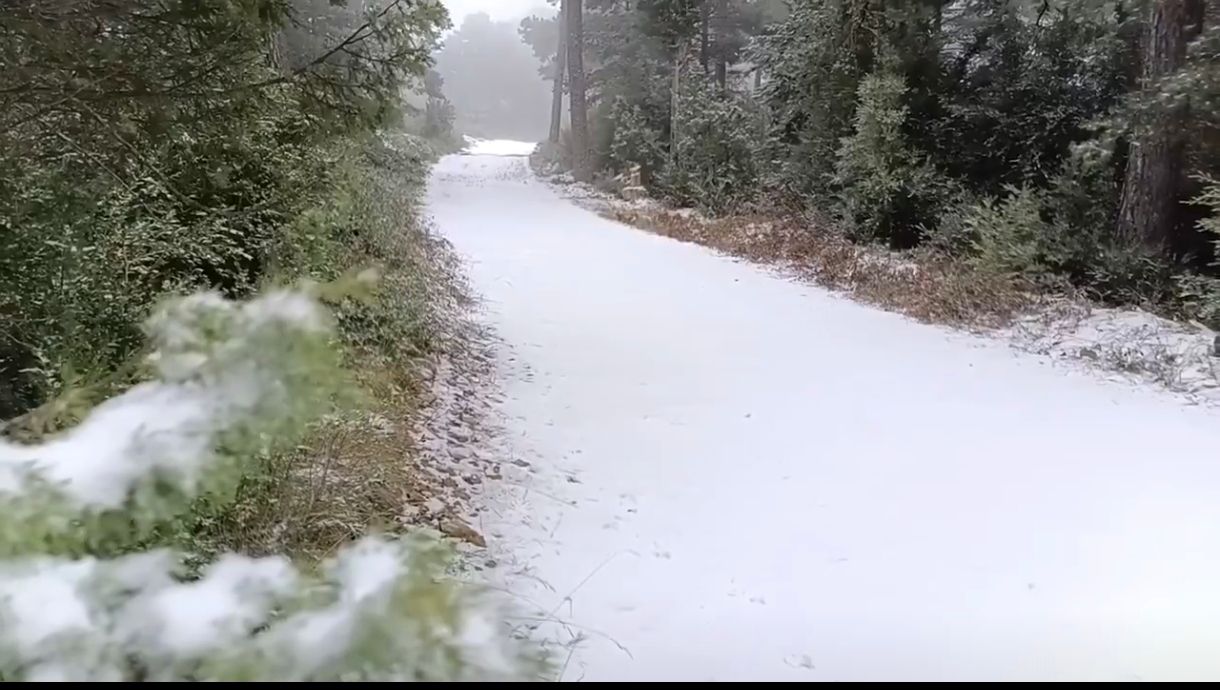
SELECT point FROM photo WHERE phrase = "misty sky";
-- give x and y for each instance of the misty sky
(500, 10)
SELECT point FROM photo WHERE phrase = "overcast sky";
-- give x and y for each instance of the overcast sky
(500, 10)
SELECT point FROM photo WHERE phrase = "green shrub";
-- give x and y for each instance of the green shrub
(886, 190)
(1008, 110)
(1055, 236)
(1125, 275)
(712, 163)
(635, 141)
(1201, 294)
(232, 380)
(810, 96)
(1079, 205)
(85, 261)
(1010, 235)
(132, 166)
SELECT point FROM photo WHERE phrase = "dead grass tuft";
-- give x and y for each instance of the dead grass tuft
(363, 469)
(926, 286)
(354, 475)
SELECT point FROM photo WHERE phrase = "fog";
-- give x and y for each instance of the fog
(490, 75)
(499, 10)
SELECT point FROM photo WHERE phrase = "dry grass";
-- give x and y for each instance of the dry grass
(926, 286)
(362, 470)
(353, 475)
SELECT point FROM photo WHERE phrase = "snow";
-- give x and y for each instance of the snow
(42, 603)
(79, 620)
(368, 570)
(365, 574)
(75, 619)
(1129, 344)
(166, 427)
(733, 476)
(497, 147)
(194, 618)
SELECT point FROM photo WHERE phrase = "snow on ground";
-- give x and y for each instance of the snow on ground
(497, 147)
(1122, 344)
(725, 475)
(1128, 344)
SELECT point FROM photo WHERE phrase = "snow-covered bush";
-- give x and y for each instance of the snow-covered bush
(635, 140)
(888, 190)
(1201, 294)
(1009, 233)
(381, 612)
(231, 379)
(712, 163)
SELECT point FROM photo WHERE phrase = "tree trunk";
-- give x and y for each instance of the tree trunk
(720, 32)
(715, 34)
(1148, 211)
(574, 17)
(705, 35)
(675, 102)
(561, 58)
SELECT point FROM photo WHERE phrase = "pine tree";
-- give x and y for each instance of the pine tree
(573, 12)
(557, 88)
(1148, 214)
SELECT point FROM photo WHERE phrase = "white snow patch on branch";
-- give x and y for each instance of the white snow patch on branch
(85, 619)
(195, 618)
(166, 428)
(223, 367)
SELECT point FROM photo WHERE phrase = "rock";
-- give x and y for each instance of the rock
(452, 527)
(434, 506)
(633, 193)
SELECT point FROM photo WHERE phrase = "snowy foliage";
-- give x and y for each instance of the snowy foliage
(886, 187)
(635, 141)
(379, 613)
(1202, 293)
(712, 162)
(230, 378)
(810, 95)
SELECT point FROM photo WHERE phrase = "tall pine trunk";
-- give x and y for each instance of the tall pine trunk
(574, 18)
(705, 35)
(675, 102)
(1148, 211)
(561, 59)
(721, 13)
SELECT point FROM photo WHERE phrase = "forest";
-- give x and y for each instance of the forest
(249, 388)
(216, 292)
(1068, 144)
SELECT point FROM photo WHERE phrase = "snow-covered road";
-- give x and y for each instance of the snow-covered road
(738, 477)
